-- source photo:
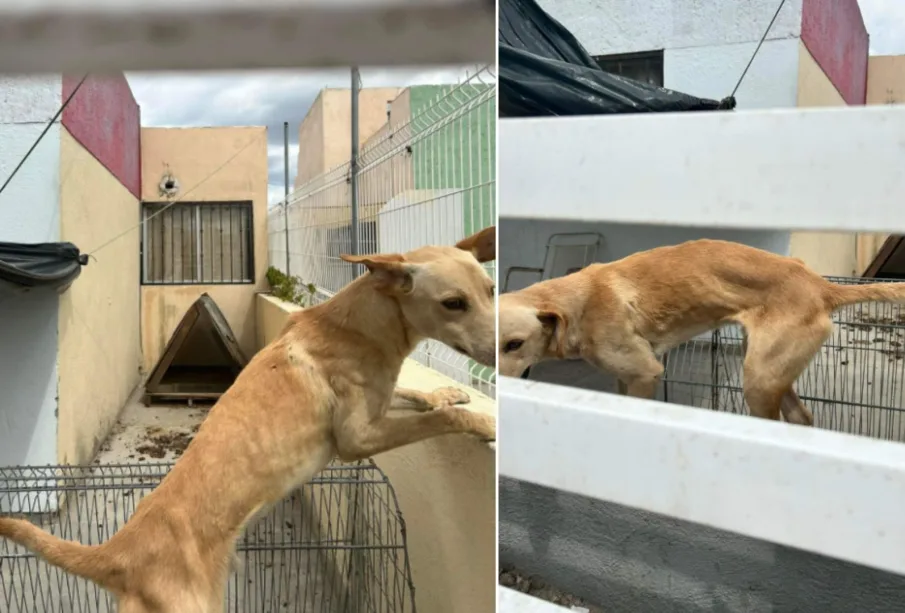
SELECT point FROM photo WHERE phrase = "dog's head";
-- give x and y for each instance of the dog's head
(529, 333)
(444, 292)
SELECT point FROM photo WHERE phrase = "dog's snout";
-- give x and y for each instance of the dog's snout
(461, 350)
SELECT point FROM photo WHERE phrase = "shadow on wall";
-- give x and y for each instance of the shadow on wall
(626, 561)
(28, 378)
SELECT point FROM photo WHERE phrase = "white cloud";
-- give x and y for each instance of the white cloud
(266, 98)
(885, 22)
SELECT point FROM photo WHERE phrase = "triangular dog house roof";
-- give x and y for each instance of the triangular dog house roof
(201, 359)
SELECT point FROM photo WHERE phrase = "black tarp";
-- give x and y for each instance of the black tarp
(544, 70)
(31, 265)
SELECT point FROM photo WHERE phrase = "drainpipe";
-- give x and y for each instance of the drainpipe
(286, 190)
(354, 165)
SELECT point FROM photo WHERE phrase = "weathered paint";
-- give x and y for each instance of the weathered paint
(29, 212)
(104, 117)
(834, 33)
(215, 165)
(99, 344)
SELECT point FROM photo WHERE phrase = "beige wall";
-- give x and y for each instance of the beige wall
(886, 79)
(885, 85)
(828, 253)
(311, 143)
(447, 493)
(394, 175)
(99, 351)
(211, 164)
(325, 135)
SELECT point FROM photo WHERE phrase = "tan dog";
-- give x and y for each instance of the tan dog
(320, 390)
(622, 316)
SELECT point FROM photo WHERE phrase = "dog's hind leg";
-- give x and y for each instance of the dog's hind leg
(778, 351)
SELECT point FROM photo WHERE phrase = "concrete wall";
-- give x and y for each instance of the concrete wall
(325, 134)
(886, 79)
(885, 85)
(627, 561)
(522, 242)
(29, 212)
(699, 58)
(311, 143)
(829, 253)
(196, 156)
(99, 154)
(100, 344)
(446, 489)
(834, 33)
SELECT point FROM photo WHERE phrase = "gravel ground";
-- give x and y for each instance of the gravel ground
(511, 578)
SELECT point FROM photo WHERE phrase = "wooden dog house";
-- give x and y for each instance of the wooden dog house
(201, 359)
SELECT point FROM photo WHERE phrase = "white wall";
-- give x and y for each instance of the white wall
(522, 242)
(29, 212)
(706, 47)
(706, 44)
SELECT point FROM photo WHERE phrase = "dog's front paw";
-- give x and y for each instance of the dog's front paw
(448, 396)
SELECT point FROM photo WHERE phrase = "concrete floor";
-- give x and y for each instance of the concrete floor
(288, 562)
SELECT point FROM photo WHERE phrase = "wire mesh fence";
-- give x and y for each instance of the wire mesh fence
(855, 384)
(427, 176)
(336, 545)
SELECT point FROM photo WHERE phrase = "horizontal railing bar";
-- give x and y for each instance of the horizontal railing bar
(512, 601)
(825, 169)
(773, 481)
(38, 36)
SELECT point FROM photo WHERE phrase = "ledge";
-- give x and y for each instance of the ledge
(837, 169)
(117, 35)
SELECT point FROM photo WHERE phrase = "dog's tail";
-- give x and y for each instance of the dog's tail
(841, 295)
(92, 562)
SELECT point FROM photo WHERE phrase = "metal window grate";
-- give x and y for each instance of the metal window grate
(197, 243)
(335, 544)
(646, 66)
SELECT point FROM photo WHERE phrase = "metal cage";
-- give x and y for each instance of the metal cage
(854, 384)
(336, 545)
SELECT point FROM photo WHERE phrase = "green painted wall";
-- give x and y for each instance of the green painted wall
(454, 134)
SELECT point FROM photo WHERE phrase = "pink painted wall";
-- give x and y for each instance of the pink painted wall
(834, 33)
(105, 119)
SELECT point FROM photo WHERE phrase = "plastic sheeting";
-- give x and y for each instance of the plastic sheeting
(544, 70)
(51, 265)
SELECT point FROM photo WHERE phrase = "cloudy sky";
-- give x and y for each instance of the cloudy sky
(270, 98)
(259, 98)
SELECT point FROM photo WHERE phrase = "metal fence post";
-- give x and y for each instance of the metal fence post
(353, 182)
(286, 191)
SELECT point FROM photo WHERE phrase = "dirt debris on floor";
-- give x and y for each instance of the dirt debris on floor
(511, 578)
(159, 441)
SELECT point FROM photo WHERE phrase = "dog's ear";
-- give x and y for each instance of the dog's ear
(481, 245)
(390, 270)
(555, 324)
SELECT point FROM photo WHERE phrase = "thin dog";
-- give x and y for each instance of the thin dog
(321, 390)
(623, 316)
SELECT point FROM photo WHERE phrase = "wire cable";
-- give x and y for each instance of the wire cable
(177, 200)
(754, 55)
(46, 129)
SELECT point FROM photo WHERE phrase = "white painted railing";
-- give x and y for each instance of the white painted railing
(114, 35)
(829, 169)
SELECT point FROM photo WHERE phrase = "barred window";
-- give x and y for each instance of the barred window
(194, 243)
(646, 66)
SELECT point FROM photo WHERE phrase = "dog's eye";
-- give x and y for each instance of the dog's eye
(455, 304)
(512, 346)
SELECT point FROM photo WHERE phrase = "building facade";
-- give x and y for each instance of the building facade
(70, 362)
